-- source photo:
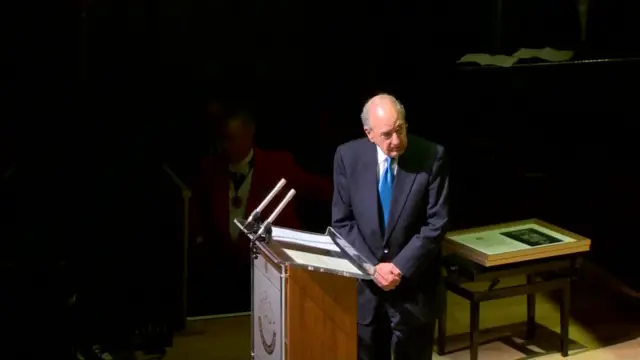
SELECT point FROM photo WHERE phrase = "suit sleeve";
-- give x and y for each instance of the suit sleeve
(342, 218)
(425, 245)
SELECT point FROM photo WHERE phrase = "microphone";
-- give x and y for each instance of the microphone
(275, 213)
(266, 201)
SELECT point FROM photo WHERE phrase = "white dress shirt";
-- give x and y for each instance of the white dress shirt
(382, 163)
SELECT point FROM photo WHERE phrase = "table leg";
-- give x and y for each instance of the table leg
(474, 330)
(564, 319)
(442, 329)
(531, 310)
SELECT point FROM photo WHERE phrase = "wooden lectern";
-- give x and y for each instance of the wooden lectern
(304, 304)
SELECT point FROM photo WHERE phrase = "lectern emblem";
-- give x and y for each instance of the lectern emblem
(266, 324)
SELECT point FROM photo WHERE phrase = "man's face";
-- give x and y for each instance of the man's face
(237, 140)
(387, 130)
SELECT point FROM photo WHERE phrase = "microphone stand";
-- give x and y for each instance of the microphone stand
(265, 237)
(254, 222)
(255, 227)
(262, 232)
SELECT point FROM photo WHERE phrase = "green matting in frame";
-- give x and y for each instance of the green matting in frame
(514, 242)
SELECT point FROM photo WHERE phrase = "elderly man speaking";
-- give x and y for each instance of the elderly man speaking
(390, 203)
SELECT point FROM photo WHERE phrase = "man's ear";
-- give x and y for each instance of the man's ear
(367, 131)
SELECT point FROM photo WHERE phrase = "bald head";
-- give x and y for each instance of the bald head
(381, 105)
(383, 119)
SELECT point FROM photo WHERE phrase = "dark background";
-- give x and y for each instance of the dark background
(97, 95)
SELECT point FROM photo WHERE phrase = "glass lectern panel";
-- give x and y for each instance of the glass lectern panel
(327, 252)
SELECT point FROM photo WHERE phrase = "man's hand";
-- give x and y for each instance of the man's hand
(387, 276)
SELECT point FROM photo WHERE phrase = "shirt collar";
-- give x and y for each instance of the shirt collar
(242, 166)
(382, 157)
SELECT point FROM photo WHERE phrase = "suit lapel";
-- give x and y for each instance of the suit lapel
(369, 183)
(401, 189)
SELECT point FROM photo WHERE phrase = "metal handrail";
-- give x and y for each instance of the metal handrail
(176, 180)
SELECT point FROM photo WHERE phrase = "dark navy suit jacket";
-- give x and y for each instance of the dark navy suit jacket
(416, 225)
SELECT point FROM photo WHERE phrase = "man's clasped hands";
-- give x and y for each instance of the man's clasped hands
(387, 276)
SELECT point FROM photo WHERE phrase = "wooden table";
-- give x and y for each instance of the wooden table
(461, 271)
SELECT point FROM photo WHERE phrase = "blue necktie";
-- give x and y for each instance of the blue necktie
(384, 189)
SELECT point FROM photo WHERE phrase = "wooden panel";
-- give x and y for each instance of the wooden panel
(321, 315)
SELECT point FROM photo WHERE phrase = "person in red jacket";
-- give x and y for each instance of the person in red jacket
(231, 184)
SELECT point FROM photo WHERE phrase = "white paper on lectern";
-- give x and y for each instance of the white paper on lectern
(317, 241)
(322, 261)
